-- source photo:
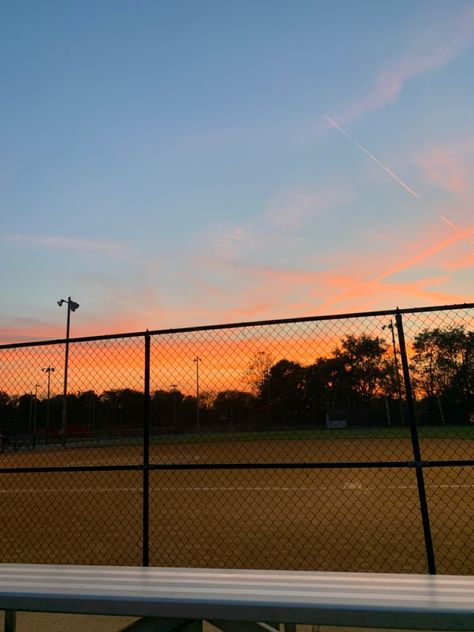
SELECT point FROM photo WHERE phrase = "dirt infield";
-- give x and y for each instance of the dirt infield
(354, 519)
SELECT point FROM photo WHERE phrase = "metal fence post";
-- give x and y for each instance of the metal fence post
(146, 454)
(416, 447)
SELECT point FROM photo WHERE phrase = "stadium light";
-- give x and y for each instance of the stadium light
(71, 307)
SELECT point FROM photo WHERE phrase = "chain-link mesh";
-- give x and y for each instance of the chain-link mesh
(286, 382)
(450, 492)
(104, 405)
(280, 445)
(441, 351)
(331, 519)
(71, 518)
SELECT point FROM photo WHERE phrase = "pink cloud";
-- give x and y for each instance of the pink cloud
(225, 291)
(28, 329)
(427, 253)
(377, 285)
(460, 263)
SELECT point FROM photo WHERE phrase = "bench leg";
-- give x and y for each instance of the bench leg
(10, 621)
(242, 626)
(156, 624)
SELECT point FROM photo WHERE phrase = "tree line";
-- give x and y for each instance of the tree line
(360, 382)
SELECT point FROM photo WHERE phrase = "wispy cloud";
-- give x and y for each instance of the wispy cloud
(279, 225)
(69, 243)
(449, 166)
(293, 209)
(431, 50)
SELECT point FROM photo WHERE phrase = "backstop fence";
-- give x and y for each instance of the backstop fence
(341, 443)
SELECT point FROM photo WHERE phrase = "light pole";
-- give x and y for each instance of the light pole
(173, 386)
(197, 360)
(395, 362)
(48, 370)
(35, 413)
(71, 307)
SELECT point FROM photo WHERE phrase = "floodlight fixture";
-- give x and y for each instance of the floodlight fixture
(72, 305)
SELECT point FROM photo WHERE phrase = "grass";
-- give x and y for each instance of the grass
(393, 432)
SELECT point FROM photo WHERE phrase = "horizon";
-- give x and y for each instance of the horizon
(180, 166)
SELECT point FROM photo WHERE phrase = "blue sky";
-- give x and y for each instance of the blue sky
(170, 164)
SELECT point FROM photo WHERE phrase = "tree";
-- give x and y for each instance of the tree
(443, 373)
(257, 373)
(286, 385)
(326, 386)
(367, 369)
(233, 406)
(122, 409)
(444, 361)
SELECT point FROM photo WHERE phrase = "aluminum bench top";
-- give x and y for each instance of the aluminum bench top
(356, 599)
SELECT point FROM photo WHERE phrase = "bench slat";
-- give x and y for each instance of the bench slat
(356, 599)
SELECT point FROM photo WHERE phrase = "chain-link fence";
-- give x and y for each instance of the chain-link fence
(341, 443)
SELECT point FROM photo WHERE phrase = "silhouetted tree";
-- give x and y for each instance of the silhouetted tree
(286, 383)
(232, 407)
(367, 369)
(257, 374)
(326, 386)
(121, 409)
(443, 374)
(443, 361)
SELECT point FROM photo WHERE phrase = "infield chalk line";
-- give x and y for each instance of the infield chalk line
(346, 487)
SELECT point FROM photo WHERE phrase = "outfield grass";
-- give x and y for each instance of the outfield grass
(465, 431)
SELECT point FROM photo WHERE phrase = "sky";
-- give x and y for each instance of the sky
(171, 164)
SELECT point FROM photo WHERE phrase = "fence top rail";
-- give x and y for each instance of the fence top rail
(237, 325)
(370, 599)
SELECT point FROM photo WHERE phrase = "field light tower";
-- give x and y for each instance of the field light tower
(71, 307)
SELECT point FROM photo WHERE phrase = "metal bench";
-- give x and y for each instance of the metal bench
(172, 599)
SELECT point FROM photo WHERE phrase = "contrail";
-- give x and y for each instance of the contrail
(372, 157)
(393, 175)
(456, 228)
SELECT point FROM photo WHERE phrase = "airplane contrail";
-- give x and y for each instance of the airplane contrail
(456, 228)
(372, 157)
(392, 175)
